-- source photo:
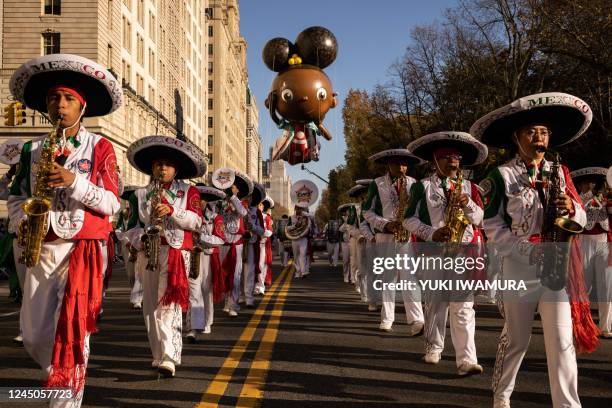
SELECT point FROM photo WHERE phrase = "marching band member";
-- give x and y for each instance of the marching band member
(255, 232)
(333, 244)
(281, 238)
(594, 241)
(237, 186)
(265, 248)
(63, 289)
(164, 215)
(381, 212)
(367, 241)
(301, 226)
(345, 241)
(431, 217)
(515, 198)
(362, 234)
(207, 284)
(354, 235)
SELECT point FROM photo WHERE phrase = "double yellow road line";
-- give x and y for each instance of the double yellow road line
(252, 389)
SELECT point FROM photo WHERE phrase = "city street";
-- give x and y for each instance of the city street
(309, 342)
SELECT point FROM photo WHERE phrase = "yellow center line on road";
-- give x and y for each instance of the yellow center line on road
(252, 390)
(216, 389)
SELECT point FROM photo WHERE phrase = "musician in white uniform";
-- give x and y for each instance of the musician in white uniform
(515, 197)
(302, 227)
(345, 241)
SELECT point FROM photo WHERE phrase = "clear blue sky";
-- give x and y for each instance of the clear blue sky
(371, 36)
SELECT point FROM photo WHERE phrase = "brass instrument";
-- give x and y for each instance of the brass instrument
(401, 234)
(152, 237)
(454, 216)
(196, 252)
(554, 263)
(133, 254)
(300, 229)
(33, 229)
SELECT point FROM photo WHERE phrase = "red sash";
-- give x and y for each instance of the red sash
(177, 290)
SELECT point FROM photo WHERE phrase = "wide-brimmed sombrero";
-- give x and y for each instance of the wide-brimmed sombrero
(268, 203)
(364, 182)
(304, 193)
(259, 193)
(598, 173)
(190, 161)
(244, 184)
(209, 193)
(567, 116)
(32, 81)
(386, 155)
(128, 190)
(357, 190)
(472, 151)
(10, 151)
(346, 206)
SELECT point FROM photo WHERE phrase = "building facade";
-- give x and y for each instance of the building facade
(277, 183)
(253, 141)
(157, 48)
(226, 84)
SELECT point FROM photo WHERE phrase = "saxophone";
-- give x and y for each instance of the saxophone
(33, 229)
(194, 261)
(152, 237)
(553, 265)
(454, 217)
(401, 234)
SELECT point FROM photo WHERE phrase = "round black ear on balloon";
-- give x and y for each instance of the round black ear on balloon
(276, 53)
(317, 46)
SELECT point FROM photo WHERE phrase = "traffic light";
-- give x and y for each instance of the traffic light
(20, 114)
(9, 115)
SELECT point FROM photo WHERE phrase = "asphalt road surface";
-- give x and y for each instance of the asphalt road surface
(308, 342)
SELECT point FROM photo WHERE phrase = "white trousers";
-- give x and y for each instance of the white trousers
(134, 276)
(300, 247)
(260, 286)
(232, 300)
(346, 260)
(164, 323)
(333, 248)
(354, 259)
(598, 274)
(201, 308)
(462, 326)
(556, 319)
(19, 267)
(373, 296)
(412, 302)
(43, 293)
(361, 272)
(283, 255)
(249, 273)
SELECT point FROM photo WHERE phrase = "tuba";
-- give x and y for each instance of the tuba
(300, 229)
(152, 237)
(553, 265)
(33, 229)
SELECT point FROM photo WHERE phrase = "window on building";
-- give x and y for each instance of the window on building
(139, 84)
(128, 74)
(109, 56)
(210, 140)
(210, 85)
(210, 122)
(152, 25)
(127, 35)
(110, 14)
(210, 67)
(53, 7)
(140, 12)
(51, 43)
(210, 31)
(210, 159)
(140, 49)
(209, 12)
(210, 103)
(151, 63)
(210, 49)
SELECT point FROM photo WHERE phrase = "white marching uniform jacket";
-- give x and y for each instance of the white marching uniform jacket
(383, 201)
(234, 222)
(81, 210)
(208, 236)
(596, 212)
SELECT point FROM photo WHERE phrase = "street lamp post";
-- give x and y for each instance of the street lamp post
(315, 174)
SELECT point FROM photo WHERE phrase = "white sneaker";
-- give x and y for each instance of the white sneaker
(415, 328)
(232, 313)
(372, 308)
(137, 305)
(432, 357)
(206, 330)
(18, 340)
(346, 280)
(469, 369)
(606, 334)
(501, 404)
(166, 369)
(386, 328)
(357, 289)
(191, 336)
(155, 364)
(241, 300)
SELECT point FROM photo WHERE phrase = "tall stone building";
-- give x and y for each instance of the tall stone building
(228, 79)
(253, 141)
(158, 48)
(277, 183)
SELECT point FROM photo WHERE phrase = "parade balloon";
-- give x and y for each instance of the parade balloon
(276, 53)
(317, 46)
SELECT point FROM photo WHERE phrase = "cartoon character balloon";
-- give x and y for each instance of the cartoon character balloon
(301, 93)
